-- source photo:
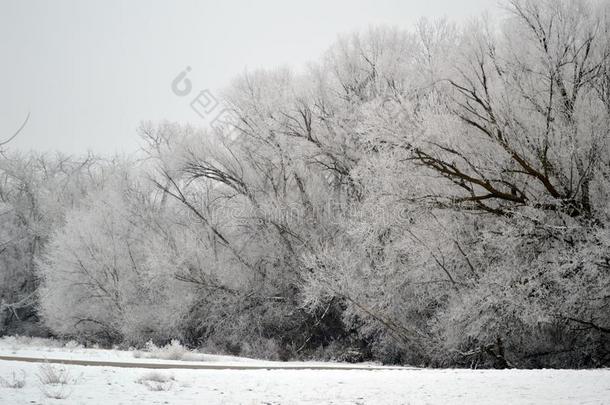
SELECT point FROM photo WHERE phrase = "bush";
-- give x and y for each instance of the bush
(172, 351)
(49, 374)
(54, 381)
(15, 381)
(156, 381)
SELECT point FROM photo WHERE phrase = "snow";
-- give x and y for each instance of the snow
(109, 385)
(40, 348)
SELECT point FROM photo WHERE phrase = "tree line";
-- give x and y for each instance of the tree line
(436, 196)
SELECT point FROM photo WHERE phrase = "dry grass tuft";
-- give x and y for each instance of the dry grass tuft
(54, 381)
(15, 381)
(156, 381)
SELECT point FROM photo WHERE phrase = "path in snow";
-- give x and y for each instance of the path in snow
(201, 365)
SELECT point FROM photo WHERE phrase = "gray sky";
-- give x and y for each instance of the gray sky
(90, 71)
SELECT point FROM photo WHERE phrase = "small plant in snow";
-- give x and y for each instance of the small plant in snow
(16, 380)
(54, 381)
(156, 381)
(54, 375)
(150, 346)
(172, 351)
(72, 345)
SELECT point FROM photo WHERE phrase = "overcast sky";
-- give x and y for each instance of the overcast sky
(90, 71)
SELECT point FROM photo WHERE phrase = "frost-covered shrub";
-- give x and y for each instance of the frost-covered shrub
(156, 381)
(49, 374)
(15, 381)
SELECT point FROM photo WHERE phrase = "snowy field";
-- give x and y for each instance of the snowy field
(75, 384)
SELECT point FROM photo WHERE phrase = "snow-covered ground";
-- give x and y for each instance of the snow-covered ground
(51, 349)
(111, 385)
